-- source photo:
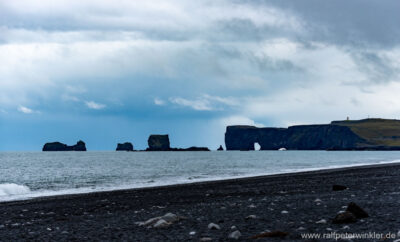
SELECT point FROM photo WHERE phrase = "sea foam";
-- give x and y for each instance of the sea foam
(8, 189)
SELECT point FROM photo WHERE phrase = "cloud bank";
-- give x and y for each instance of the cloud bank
(167, 65)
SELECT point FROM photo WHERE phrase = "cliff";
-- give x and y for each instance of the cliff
(57, 146)
(367, 134)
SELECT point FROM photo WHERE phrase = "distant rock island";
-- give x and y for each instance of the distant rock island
(159, 142)
(127, 146)
(57, 146)
(366, 134)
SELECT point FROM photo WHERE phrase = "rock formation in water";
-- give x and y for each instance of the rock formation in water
(57, 146)
(220, 148)
(368, 134)
(161, 143)
(127, 146)
(193, 148)
(158, 142)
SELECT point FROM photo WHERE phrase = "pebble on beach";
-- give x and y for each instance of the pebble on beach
(213, 226)
(322, 221)
(235, 235)
(346, 217)
(160, 222)
(356, 210)
(338, 187)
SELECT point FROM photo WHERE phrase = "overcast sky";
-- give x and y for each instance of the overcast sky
(119, 70)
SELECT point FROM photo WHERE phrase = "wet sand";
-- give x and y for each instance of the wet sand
(291, 203)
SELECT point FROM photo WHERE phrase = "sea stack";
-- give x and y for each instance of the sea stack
(158, 142)
(57, 146)
(127, 146)
(220, 148)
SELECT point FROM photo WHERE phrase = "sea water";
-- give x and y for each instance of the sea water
(25, 175)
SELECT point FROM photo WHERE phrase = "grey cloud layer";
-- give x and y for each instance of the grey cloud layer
(270, 58)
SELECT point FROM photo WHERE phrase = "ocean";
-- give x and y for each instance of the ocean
(25, 175)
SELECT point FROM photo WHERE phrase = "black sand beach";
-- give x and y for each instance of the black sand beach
(291, 203)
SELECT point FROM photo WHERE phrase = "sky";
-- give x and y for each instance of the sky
(120, 70)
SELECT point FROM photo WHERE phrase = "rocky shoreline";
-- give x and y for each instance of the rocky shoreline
(277, 207)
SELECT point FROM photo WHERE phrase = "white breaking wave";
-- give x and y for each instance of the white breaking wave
(8, 189)
(388, 162)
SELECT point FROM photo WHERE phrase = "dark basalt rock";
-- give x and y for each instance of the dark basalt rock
(158, 142)
(80, 146)
(338, 188)
(220, 148)
(305, 137)
(338, 135)
(356, 210)
(57, 146)
(193, 148)
(345, 217)
(161, 143)
(127, 146)
(371, 148)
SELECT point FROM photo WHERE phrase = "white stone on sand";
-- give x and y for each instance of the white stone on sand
(214, 226)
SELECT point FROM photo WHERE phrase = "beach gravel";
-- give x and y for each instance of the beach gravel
(132, 215)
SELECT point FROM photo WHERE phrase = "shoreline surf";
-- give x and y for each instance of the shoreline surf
(43, 194)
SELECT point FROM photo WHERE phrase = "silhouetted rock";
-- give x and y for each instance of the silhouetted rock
(80, 146)
(158, 143)
(127, 146)
(193, 148)
(344, 217)
(57, 146)
(161, 143)
(338, 188)
(220, 148)
(356, 210)
(305, 137)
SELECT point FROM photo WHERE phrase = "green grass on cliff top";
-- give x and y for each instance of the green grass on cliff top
(375, 131)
